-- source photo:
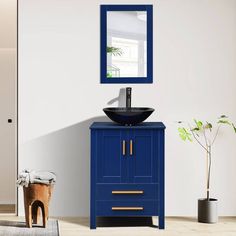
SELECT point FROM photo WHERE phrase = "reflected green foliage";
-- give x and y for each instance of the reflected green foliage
(114, 51)
(109, 75)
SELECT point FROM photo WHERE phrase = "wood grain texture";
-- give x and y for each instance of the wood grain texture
(36, 196)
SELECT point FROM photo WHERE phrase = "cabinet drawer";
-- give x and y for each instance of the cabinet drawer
(127, 208)
(126, 191)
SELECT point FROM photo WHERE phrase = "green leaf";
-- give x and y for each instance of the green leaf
(234, 127)
(195, 129)
(223, 116)
(224, 122)
(208, 126)
(198, 123)
(189, 139)
(184, 134)
(181, 130)
(186, 131)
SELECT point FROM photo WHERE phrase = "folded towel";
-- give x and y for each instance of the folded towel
(27, 177)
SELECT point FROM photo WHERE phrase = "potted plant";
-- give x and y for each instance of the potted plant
(205, 135)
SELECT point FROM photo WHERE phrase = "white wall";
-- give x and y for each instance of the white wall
(60, 95)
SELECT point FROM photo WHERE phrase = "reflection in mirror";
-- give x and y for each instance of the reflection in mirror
(126, 44)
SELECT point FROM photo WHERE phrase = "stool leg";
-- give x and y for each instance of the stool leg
(35, 213)
(28, 216)
(44, 212)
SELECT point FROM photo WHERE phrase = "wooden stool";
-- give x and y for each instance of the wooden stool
(36, 196)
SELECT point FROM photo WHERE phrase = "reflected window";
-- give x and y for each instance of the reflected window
(126, 44)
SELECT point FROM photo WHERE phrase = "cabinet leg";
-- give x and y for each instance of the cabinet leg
(92, 222)
(161, 220)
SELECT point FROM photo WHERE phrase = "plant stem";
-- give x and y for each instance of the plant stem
(198, 140)
(208, 151)
(204, 133)
(209, 173)
(216, 135)
(207, 164)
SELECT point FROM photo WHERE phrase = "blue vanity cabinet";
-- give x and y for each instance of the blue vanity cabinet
(127, 170)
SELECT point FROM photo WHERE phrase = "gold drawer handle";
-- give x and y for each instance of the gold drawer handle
(127, 192)
(127, 208)
(131, 147)
(123, 147)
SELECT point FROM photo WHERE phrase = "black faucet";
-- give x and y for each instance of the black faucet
(128, 97)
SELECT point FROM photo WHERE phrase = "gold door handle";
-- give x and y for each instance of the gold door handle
(127, 192)
(127, 208)
(131, 147)
(123, 147)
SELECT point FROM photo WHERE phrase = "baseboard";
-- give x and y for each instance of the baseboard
(7, 203)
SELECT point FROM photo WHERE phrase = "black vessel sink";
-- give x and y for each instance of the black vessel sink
(128, 116)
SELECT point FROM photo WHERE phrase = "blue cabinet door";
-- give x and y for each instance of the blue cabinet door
(143, 160)
(111, 166)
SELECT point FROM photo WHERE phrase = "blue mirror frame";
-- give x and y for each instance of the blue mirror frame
(103, 44)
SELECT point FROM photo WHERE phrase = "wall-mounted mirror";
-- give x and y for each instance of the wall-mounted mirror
(126, 44)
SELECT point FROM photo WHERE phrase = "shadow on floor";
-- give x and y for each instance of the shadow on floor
(124, 221)
(114, 221)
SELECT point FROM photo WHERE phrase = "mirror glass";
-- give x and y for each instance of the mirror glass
(126, 44)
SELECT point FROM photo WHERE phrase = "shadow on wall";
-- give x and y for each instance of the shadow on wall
(67, 153)
(121, 99)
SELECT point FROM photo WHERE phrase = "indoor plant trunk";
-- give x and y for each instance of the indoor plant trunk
(207, 207)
